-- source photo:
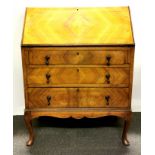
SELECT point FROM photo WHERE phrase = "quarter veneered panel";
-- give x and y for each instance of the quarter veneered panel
(78, 97)
(72, 26)
(49, 56)
(103, 97)
(47, 76)
(52, 97)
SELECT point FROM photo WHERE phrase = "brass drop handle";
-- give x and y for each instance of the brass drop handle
(108, 58)
(107, 98)
(47, 58)
(48, 77)
(107, 77)
(49, 100)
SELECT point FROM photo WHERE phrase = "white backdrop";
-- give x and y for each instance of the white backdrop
(18, 19)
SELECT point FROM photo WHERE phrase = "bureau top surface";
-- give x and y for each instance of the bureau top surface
(77, 26)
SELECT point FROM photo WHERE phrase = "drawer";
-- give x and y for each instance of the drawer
(78, 97)
(49, 56)
(47, 76)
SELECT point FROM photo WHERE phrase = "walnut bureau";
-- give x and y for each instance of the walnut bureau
(78, 62)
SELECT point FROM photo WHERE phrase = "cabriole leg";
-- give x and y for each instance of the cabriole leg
(28, 122)
(125, 130)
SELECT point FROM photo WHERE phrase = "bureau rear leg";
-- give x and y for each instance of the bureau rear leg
(28, 122)
(125, 130)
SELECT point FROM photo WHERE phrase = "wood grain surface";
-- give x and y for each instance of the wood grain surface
(77, 97)
(93, 26)
(76, 56)
(77, 75)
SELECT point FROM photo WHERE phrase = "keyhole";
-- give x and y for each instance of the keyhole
(77, 70)
(77, 53)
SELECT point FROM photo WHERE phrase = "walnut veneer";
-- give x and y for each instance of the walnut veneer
(77, 65)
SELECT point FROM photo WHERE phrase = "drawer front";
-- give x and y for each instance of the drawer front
(52, 97)
(78, 97)
(72, 75)
(84, 57)
(103, 97)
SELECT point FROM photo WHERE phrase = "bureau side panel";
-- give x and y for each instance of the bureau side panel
(131, 61)
(25, 64)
